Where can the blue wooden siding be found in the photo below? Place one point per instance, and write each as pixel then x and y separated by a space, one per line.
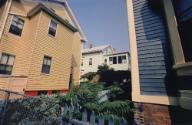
pixel 153 49
pixel 184 9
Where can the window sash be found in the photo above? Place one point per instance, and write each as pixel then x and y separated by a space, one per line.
pixel 90 61
pixel 119 59
pixel 124 59
pixel 114 60
pixel 110 60
pixel 5 69
pixel 16 26
pixel 52 28
pixel 46 65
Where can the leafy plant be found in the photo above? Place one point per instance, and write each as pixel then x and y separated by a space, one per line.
pixel 88 76
pixel 104 67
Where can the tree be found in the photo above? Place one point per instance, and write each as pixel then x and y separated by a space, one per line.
pixel 104 67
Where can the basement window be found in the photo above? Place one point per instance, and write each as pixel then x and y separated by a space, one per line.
pixel 16 27
pixel 46 65
pixel 42 93
pixel 6 64
pixel 52 28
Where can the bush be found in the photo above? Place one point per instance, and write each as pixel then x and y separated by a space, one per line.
pixel 89 76
pixel 36 110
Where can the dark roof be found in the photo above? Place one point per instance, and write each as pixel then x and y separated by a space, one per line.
pixel 42 7
pixel 125 52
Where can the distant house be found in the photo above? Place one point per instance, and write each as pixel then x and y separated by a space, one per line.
pixel 161 60
pixel 94 56
pixel 118 60
pixel 40 46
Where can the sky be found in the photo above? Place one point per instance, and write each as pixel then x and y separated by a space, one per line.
pixel 103 21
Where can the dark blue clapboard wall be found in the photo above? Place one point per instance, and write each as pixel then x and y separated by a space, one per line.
pixel 183 9
pixel 153 48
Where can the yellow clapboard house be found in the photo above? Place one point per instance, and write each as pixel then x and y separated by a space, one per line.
pixel 40 46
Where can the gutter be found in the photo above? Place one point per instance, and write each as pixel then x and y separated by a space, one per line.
pixel 5 18
pixel 41 7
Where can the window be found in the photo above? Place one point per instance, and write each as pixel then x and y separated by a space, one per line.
pixel 82 62
pixel 46 65
pixel 42 93
pixel 119 59
pixel 115 60
pixel 124 59
pixel 90 61
pixel 6 64
pixel 110 60
pixel 52 28
pixel 105 61
pixel 16 26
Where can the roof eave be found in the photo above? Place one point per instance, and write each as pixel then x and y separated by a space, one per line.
pixel 41 7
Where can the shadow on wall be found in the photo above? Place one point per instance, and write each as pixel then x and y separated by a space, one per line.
pixel 156 34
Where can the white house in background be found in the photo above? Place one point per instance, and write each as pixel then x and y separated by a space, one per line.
pixel 92 57
pixel 118 60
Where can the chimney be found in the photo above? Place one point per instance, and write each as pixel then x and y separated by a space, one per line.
pixel 90 46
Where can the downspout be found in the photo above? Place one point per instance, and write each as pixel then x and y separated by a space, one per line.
pixel 5 18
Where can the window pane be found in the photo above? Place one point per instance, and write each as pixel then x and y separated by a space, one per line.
pixel 119 59
pixel 124 59
pixel 49 62
pixel 8 68
pixel 90 61
pixel 114 60
pixel 2 67
pixel 52 28
pixel 45 61
pixel 4 59
pixel 16 26
pixel 11 60
pixel 46 65
pixel 110 60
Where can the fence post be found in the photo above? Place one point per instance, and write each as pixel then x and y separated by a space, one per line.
pixel 111 121
pixel 92 118
pixel 65 109
pixel 123 122
pixel 101 120
pixel 4 107
pixel 84 115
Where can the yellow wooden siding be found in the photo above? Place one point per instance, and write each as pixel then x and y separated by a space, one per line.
pixel 1 11
pixel 76 50
pixel 34 43
pixel 60 49
pixel 21 47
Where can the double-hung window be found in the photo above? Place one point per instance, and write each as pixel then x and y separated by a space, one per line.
pixel 46 65
pixel 115 60
pixel 6 64
pixel 110 60
pixel 90 61
pixel 124 59
pixel 16 26
pixel 119 59
pixel 52 28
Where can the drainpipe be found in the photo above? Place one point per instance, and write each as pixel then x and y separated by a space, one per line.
pixel 5 17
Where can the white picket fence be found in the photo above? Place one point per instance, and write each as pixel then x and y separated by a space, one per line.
pixel 84 121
